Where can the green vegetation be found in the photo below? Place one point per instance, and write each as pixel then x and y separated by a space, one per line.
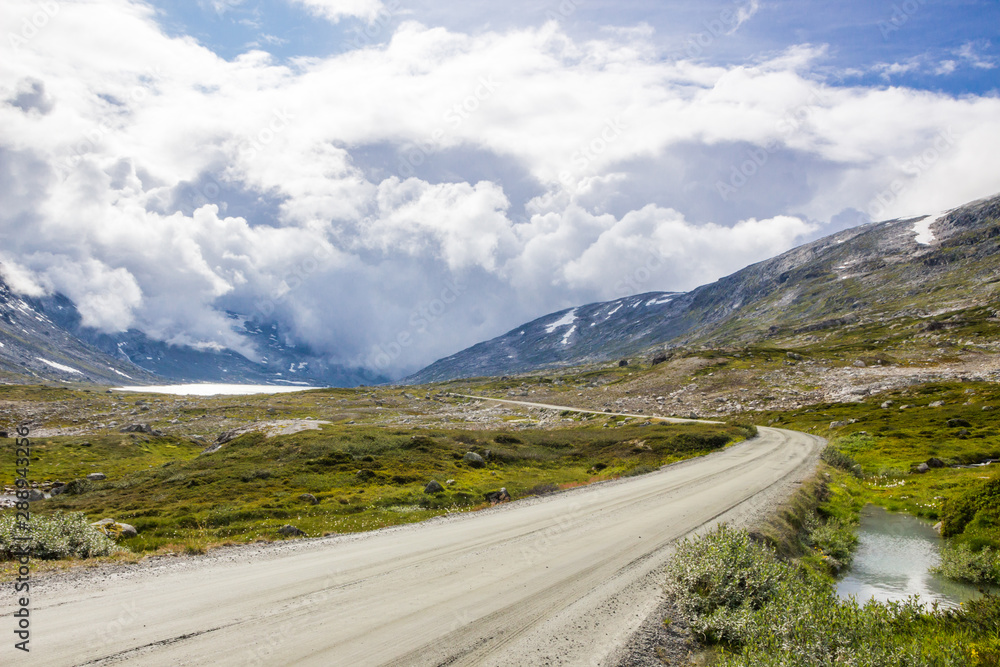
pixel 944 424
pixel 60 535
pixel 760 610
pixel 358 477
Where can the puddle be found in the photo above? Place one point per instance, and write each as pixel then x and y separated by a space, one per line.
pixel 894 556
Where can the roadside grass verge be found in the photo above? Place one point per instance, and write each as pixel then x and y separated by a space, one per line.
pixel 759 610
pixel 948 425
pixel 359 477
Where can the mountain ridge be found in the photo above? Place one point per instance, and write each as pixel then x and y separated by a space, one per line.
pixel 877 269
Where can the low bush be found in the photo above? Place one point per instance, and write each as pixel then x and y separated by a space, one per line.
pixel 766 612
pixel 962 563
pixel 60 535
pixel 839 459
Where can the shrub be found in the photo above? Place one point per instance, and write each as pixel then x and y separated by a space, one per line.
pixel 61 535
pixel 738 593
pixel 982 499
pixel 963 563
pixel 839 459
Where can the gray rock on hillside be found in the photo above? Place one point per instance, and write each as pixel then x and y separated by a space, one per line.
pixel 433 486
pixel 309 498
pixel 96 476
pixel 291 530
pixel 474 460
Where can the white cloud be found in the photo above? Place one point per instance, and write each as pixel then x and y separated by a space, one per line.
pixel 342 195
pixel 334 10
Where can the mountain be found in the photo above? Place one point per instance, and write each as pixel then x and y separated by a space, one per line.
pixel 880 271
pixel 34 348
pixel 279 363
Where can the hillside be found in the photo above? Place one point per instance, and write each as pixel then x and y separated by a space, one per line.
pixel 34 348
pixel 914 267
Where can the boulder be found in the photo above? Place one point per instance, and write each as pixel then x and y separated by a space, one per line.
pixel 494 497
pixel 886 405
pixel 958 423
pixel 935 463
pixel 474 460
pixel 433 486
pixel 935 404
pixel 128 530
pixel 226 436
pixel 309 498
pixel 838 424
pixel 291 530
pixel 922 468
pixel 96 476
pixel 794 355
pixel 860 364
pixel 35 495
pixel 141 428
pixel 623 363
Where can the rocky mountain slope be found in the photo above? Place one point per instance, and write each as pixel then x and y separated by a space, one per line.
pixel 880 271
pixel 279 363
pixel 34 348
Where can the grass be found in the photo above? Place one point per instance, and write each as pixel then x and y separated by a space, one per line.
pixel 760 610
pixel 364 477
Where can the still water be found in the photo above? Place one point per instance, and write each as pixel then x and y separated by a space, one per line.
pixel 206 389
pixel 895 552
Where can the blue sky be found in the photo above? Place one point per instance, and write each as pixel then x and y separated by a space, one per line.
pixel 922 35
pixel 335 166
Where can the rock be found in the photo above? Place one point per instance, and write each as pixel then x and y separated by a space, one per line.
pixel 494 497
pixel 128 530
pixel 860 364
pixel 987 408
pixel 96 476
pixel 449 482
pixel 935 404
pixel 838 424
pixel 963 433
pixel 291 530
pixel 922 468
pixel 309 498
pixel 433 486
pixel 937 527
pixel 658 358
pixel 3 434
pixel 226 436
pixel 623 363
pixel 35 495
pixel 474 460
pixel 887 405
pixel 141 428
pixel 935 463
pixel 794 355
pixel 957 423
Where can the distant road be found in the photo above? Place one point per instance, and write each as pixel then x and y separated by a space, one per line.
pixel 559 580
pixel 673 420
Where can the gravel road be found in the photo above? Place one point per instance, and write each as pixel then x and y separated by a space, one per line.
pixel 565 579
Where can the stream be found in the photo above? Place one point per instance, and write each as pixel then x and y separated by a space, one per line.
pixel 895 553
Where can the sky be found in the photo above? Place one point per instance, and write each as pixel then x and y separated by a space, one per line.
pixel 391 181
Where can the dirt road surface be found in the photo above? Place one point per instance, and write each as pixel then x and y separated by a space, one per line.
pixel 559 580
